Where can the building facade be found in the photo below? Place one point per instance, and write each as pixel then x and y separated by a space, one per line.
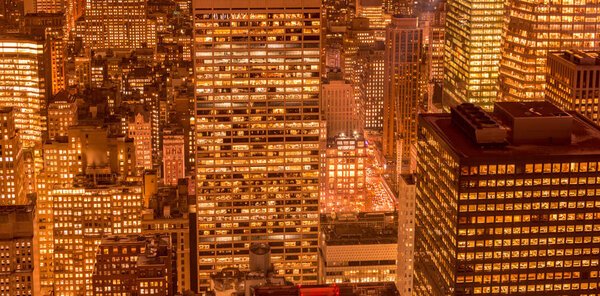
pixel 133 265
pixel 340 109
pixel 173 157
pixel 472 52
pixel 343 184
pixel 360 248
pixel 257 76
pixel 505 202
pixel 401 89
pixel 82 216
pixel 23 85
pixel 12 174
pixel 112 24
pixel 62 113
pixel 573 82
pixel 19 274
pixel 532 31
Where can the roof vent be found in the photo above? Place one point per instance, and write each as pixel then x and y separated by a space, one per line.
pixel 477 124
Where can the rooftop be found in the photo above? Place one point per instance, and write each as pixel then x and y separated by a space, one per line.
pixel 579 57
pixel 584 135
pixel 362 229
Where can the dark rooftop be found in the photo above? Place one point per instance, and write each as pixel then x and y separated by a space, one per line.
pixel 578 57
pixel 585 138
pixel 532 109
pixel 364 229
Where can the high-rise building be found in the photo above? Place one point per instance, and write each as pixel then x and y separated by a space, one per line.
pixel 11 163
pixel 532 30
pixel 339 108
pixel 19 274
pixel 505 202
pixel 343 183
pixel 83 215
pixel 173 156
pixel 401 91
pixel 114 24
pixel 23 85
pixel 573 82
pixel 139 129
pixel 373 11
pixel 433 21
pixel 472 52
pixel 373 60
pixel 257 85
pixel 406 234
pixel 357 36
pixel 49 28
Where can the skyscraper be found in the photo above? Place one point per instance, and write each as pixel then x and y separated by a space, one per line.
pixel 506 202
pixel 257 76
pixel 472 52
pixel 533 30
pixel 23 85
pixel 373 60
pixel 401 89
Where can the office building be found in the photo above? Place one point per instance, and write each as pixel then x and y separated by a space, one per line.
pixel 373 11
pixel 139 129
pixel 340 109
pixel 406 234
pixel 358 35
pixel 532 30
pixel 359 248
pixel 133 265
pixel 112 24
pixel 62 114
pixel 573 82
pixel 23 85
pixel 173 156
pixel 83 215
pixel 505 202
pixel 343 183
pixel 11 163
pixel 19 274
pixel 472 52
pixel 401 90
pixel 171 212
pixel 49 6
pixel 257 85
pixel 373 60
